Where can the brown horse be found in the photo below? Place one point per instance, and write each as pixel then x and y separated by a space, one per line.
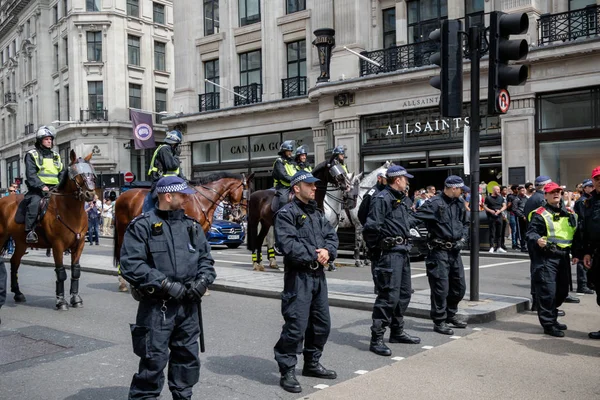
pixel 259 211
pixel 210 191
pixel 63 227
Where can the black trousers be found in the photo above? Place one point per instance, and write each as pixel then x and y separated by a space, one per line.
pixel 503 233
pixel 495 225
pixel 523 231
pixel 170 339
pixel 393 284
pixel 305 310
pixel 551 277
pixel 33 196
pixel 582 276
pixel 446 275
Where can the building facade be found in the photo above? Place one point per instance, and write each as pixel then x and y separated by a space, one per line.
pixel 79 65
pixel 261 54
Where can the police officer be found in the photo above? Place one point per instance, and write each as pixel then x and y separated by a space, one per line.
pixel 300 159
pixel 448 226
pixel 550 237
pixel 165 162
pixel 387 233
pixel 582 281
pixel 588 239
pixel 166 259
pixel 43 171
pixel 338 156
pixel 283 171
pixel 307 242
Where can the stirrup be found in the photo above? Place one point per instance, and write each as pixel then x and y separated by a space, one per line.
pixel 31 237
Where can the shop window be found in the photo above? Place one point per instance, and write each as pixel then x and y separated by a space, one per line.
pixel 568 161
pixel 211 17
pixel 389 28
pixel 249 12
pixel 302 138
pixel 264 146
pixel 425 16
pixel 235 149
pixel 205 152
pixel 566 111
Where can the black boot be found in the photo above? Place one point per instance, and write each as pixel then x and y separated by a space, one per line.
pixel 560 327
pixel 403 337
pixel 378 347
pixel 443 328
pixel 572 299
pixel 316 370
pixel 457 323
pixel 594 335
pixel 585 290
pixel 554 331
pixel 560 313
pixel 289 383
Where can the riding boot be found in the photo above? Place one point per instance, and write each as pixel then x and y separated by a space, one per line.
pixel 76 300
pixel 61 277
pixel 377 346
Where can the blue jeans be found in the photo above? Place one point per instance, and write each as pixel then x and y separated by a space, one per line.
pixel 514 230
pixel 93 226
pixel 10 247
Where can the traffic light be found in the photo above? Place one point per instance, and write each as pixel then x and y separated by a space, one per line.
pixel 502 49
pixel 450 58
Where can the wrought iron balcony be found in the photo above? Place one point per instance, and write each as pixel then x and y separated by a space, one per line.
pixel 209 101
pixel 10 97
pixel 568 26
pixel 252 94
pixel 293 87
pixel 398 57
pixel 93 115
pixel 29 129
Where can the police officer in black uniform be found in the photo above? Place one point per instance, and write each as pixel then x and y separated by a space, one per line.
pixel 387 233
pixel 587 241
pixel 582 281
pixel 307 242
pixel 448 226
pixel 166 259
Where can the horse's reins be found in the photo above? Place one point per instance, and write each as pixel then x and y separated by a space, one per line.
pixel 221 195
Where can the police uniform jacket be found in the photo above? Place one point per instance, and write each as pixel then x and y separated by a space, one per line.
pixel 446 218
pixel 301 229
pixel 536 200
pixel 365 205
pixel 166 161
pixel 161 245
pixel 587 238
pixel 279 172
pixel 537 229
pixel 390 216
pixel 33 181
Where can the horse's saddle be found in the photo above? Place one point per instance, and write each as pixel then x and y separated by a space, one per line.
pixel 22 210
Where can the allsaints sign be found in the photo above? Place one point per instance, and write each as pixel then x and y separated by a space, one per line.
pixel 427 126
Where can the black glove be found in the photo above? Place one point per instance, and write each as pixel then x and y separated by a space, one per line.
pixel 196 289
pixel 461 244
pixel 174 289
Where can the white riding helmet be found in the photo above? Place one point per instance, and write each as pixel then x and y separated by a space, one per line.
pixel 44 132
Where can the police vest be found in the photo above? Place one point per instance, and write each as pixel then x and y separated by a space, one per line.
pixel 48 168
pixel 559 232
pixel 307 169
pixel 154 168
pixel 290 169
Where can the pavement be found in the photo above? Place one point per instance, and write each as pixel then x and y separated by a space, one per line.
pixel 346 293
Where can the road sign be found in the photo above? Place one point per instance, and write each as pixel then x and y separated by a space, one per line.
pixel 503 100
pixel 129 177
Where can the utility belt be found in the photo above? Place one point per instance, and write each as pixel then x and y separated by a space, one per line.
pixel 553 249
pixel 390 242
pixel 157 297
pixel 440 244
pixel 312 266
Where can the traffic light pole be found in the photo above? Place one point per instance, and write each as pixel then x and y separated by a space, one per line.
pixel 474 50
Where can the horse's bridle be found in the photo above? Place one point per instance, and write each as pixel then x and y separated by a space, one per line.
pixel 221 196
pixel 73 174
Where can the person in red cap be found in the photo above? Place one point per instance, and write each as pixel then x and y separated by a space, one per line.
pixel 550 237
pixel 587 243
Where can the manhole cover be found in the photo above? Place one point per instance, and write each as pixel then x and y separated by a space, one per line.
pixel 17 347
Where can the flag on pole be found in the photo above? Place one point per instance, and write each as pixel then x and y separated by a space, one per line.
pixel 143 132
pixel 467 149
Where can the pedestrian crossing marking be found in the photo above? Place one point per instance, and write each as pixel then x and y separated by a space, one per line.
pixel 361 372
pixel 427 347
pixel 455 337
pixel 321 386
pixel 398 358
pixel 477 329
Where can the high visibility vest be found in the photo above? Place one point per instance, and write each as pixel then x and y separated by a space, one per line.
pixel 290 169
pixel 154 168
pixel 48 168
pixel 559 232
pixel 307 169
pixel 344 168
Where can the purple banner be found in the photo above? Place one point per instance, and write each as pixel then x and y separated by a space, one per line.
pixel 143 132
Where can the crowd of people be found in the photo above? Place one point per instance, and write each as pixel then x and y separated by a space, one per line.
pixel 100 218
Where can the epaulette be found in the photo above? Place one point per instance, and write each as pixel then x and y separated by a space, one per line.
pixel 139 217
pixel 371 192
pixel 192 218
pixel 540 210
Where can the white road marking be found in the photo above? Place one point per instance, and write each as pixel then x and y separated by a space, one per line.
pixel 321 386
pixel 249 263
pixel 397 358
pixel 455 337
pixel 477 329
pixel 480 267
pixel 427 347
pixel 361 372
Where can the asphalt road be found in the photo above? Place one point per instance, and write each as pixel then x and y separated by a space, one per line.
pixel 86 353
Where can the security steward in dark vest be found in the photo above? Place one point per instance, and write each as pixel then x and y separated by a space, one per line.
pixel 307 242
pixel 582 275
pixel 387 234
pixel 338 156
pixel 587 241
pixel 549 238
pixel 165 162
pixel 300 159
pixel 283 171
pixel 448 225
pixel 166 259
pixel 44 170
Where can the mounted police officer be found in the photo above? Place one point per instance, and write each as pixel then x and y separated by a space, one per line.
pixel 283 171
pixel 44 170
pixel 165 162
pixel 166 259
pixel 387 233
pixel 549 238
pixel 338 156
pixel 587 244
pixel 579 208
pixel 307 242
pixel 448 225
pixel 300 159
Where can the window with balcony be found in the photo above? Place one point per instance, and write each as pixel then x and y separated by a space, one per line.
pixel 210 99
pixel 135 96
pixel 94 46
pixel 160 56
pixel 133 50
pixel 250 78
pixel 158 13
pixel 474 12
pixel 93 5
pixel 425 16
pixel 211 17
pixel 133 8
pixel 249 12
pixel 95 101
pixel 581 21
pixel 160 103
pixel 295 84
pixel 293 6
pixel 389 28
